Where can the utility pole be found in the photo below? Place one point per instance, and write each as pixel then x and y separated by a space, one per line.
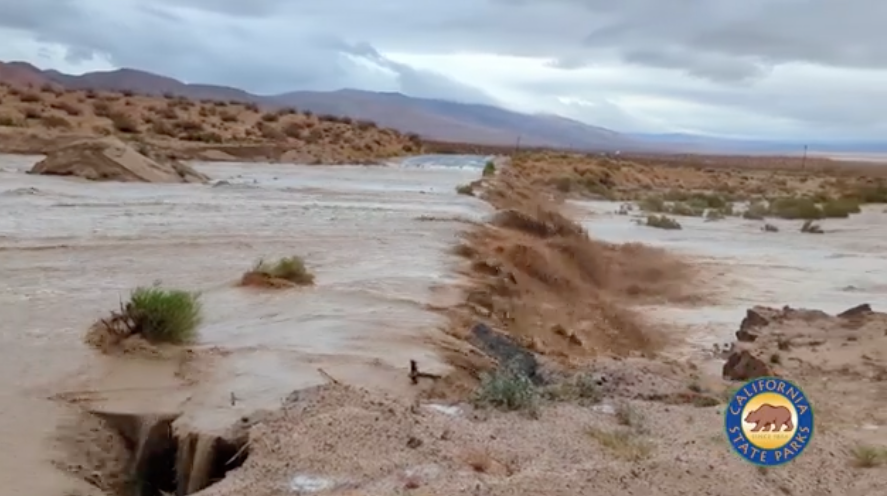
pixel 804 159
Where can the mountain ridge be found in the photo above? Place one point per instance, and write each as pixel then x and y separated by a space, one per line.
pixel 435 119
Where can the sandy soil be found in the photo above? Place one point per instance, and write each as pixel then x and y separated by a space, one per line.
pixel 34 120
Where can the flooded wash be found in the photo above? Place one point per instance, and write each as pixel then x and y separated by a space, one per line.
pixel 71 250
pixel 832 272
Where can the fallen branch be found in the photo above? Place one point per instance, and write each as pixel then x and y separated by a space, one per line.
pixel 415 375
pixel 329 377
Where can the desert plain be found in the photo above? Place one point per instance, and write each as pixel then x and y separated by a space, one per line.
pixel 517 322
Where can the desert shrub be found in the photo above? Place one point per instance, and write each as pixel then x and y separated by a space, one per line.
pixel 189 126
pixel 662 222
pixel 162 128
pixel 32 113
pixel 755 211
pixel 795 208
pixel 101 108
pixel 164 315
pixel 714 214
pixel 365 125
pixel 270 132
pixel 687 209
pixel 124 123
pixel 840 208
pixel 30 97
pixel 870 194
pixel 489 168
pixel 293 130
pixel 507 389
pixel 865 456
pixel 68 108
pixel 465 189
pixel 54 121
pixel 252 107
pixel 652 204
pixel 204 136
pixel 9 121
pixel 128 93
pixel 168 112
pixel 228 117
pixel 288 268
pixel 582 388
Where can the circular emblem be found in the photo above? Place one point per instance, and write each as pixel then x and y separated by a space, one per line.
pixel 769 421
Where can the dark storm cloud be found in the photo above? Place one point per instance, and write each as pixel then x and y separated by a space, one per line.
pixel 723 40
pixel 269 46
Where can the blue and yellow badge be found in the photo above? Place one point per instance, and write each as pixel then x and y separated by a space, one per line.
pixel 769 421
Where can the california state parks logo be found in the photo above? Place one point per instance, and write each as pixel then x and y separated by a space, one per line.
pixel 769 421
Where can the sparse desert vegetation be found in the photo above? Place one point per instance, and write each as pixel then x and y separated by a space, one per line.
pixel 34 120
pixel 285 272
pixel 662 222
pixel 154 314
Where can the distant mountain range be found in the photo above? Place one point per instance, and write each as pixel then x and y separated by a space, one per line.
pixel 439 120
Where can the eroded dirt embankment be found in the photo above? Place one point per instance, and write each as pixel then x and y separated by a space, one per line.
pixel 536 275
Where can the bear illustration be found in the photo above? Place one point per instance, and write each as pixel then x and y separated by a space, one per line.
pixel 770 418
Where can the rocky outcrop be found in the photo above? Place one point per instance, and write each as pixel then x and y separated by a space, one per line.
pixel 857 311
pixel 742 365
pixel 110 159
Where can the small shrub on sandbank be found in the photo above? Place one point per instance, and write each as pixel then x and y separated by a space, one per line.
pixel 158 315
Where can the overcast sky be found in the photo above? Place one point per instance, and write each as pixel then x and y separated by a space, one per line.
pixel 764 68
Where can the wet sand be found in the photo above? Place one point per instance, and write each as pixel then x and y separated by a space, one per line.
pixel 72 249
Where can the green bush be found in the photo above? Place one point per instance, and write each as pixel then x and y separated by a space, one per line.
pixel 465 189
pixel 795 208
pixel 164 315
pixel 841 208
pixel 489 168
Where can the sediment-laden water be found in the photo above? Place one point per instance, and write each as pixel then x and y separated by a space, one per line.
pixel 70 250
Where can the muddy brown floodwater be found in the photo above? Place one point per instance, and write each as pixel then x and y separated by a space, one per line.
pixel 830 272
pixel 69 250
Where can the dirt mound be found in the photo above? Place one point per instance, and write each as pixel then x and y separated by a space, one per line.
pixel 110 159
pixel 329 440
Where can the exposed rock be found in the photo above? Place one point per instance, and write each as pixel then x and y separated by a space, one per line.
pixel 857 311
pixel 754 320
pixel 506 351
pixel 110 159
pixel 743 366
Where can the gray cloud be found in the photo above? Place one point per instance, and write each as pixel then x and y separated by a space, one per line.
pixel 269 46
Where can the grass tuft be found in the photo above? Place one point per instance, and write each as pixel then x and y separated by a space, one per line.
pixel 865 456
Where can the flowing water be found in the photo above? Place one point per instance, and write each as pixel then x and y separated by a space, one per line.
pixel 832 272
pixel 70 250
